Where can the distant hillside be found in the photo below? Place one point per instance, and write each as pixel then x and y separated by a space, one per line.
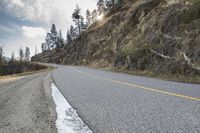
pixel 158 36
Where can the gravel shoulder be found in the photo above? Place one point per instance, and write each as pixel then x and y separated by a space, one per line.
pixel 26 105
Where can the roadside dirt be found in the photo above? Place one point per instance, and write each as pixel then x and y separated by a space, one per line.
pixel 26 105
pixel 4 80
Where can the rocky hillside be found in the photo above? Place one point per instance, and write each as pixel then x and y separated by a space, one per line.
pixel 161 36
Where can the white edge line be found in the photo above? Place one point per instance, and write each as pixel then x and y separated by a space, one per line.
pixel 68 120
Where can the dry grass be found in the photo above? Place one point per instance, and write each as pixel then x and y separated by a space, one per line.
pixel 24 74
pixel 4 77
pixel 151 74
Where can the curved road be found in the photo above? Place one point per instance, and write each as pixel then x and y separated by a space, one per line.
pixel 119 103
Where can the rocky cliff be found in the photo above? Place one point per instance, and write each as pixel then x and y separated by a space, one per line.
pixel 162 36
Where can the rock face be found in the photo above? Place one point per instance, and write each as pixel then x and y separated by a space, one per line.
pixel 157 35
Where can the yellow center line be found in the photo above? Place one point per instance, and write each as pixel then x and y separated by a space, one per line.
pixel 141 87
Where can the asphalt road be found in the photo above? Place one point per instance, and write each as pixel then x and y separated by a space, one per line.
pixel 26 105
pixel 119 103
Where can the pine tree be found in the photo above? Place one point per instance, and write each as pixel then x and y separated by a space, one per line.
pixel 53 35
pixel 108 4
pixel 120 2
pixel 48 41
pixel 88 18
pixel 44 47
pixel 60 41
pixel 1 57
pixel 69 38
pixel 100 6
pixel 36 50
pixel 94 15
pixel 1 54
pixel 21 54
pixel 113 2
pixel 76 16
pixel 27 54
pixel 13 57
pixel 11 63
pixel 72 32
pixel 1 60
pixel 82 23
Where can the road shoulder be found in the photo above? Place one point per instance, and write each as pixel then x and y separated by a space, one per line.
pixel 26 105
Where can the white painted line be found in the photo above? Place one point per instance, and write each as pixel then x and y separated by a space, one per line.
pixel 68 120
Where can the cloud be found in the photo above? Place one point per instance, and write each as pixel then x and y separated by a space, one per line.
pixel 33 32
pixel 18 3
pixel 25 22
pixel 47 11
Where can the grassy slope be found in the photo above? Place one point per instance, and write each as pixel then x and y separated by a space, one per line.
pixel 187 17
pixel 123 41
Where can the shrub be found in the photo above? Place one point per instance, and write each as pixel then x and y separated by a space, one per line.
pixel 192 13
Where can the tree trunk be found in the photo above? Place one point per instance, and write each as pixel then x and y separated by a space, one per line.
pixel 79 28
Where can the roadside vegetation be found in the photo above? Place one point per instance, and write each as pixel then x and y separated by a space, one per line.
pixel 192 13
pixel 152 74
pixel 22 64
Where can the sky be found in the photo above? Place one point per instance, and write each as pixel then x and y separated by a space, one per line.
pixel 24 23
